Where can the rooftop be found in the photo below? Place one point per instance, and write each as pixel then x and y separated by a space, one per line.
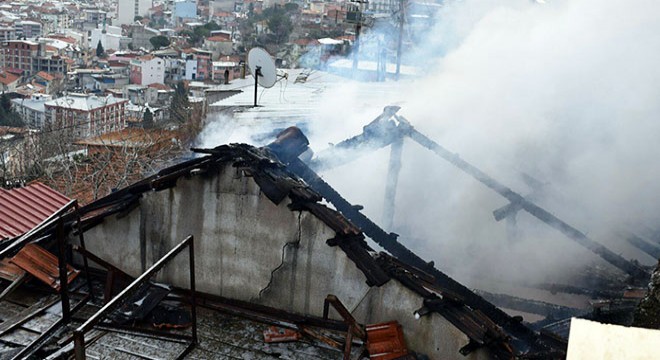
pixel 84 102
pixel 24 208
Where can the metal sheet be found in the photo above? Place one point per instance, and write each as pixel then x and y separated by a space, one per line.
pixel 42 265
pixel 24 208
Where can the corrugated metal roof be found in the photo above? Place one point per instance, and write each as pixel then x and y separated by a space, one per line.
pixel 24 208
pixel 43 265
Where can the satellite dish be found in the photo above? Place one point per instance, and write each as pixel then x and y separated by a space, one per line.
pixel 262 67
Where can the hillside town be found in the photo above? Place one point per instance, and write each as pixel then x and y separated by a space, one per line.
pixel 79 71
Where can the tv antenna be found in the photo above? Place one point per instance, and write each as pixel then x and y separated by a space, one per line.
pixel 262 68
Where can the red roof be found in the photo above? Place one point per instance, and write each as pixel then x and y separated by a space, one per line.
pixel 7 78
pixel 24 208
pixel 46 76
pixel 219 38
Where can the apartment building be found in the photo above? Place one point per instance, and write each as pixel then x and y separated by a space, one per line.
pixel 87 115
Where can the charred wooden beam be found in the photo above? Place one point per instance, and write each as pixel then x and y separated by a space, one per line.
pixel 530 306
pixel 377 134
pixel 393 171
pixel 570 289
pixel 645 246
pixel 389 242
pixel 515 198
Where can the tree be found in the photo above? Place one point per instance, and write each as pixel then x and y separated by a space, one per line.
pixel 159 41
pixel 180 105
pixel 8 117
pixel 99 49
pixel 148 119
pixel 291 7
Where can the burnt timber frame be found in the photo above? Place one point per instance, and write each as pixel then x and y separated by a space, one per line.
pixel 383 132
pixel 94 320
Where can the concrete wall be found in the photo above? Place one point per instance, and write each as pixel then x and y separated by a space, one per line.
pixel 433 335
pixel 250 249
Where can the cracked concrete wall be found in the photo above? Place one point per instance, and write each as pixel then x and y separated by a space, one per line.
pixel 250 249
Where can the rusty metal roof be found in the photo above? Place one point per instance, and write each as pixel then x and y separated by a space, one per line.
pixel 42 265
pixel 24 208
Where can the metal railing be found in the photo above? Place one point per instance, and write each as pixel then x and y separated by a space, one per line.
pixel 117 301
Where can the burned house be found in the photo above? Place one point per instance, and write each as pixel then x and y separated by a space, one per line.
pixel 262 237
pixel 264 243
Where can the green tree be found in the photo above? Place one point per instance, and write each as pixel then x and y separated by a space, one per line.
pixel 99 49
pixel 291 7
pixel 8 117
pixel 180 105
pixel 159 41
pixel 280 26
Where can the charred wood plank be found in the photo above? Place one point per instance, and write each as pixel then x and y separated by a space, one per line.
pixel 389 242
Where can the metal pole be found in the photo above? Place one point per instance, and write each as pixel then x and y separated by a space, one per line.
pixel 356 46
pixel 64 278
pixel 193 296
pixel 257 73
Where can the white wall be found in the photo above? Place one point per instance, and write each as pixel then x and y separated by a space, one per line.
pixel 250 249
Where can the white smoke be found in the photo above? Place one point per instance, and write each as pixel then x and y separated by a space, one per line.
pixel 565 91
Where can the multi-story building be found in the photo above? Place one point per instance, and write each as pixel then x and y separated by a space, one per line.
pixel 95 16
pixel 55 20
pixel 110 38
pixel 30 57
pixel 198 64
pixel 86 115
pixel 140 36
pixel 226 69
pixel 28 29
pixel 184 9
pixel 7 33
pixel 219 44
pixel 127 10
pixel 147 70
pixel 32 110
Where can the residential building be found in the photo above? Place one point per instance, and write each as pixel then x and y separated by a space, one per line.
pixel 147 70
pixel 86 115
pixel 219 44
pixel 7 33
pixel 32 109
pixel 226 69
pixel 54 83
pixel 127 10
pixel 96 16
pixel 110 38
pixel 30 57
pixel 184 9
pixel 140 36
pixel 55 20
pixel 28 29
pixel 8 81
pixel 198 64
pixel 140 94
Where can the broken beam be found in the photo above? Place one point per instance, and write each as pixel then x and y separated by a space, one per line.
pixel 515 198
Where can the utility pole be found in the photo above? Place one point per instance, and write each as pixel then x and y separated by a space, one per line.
pixel 402 19
pixel 358 27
